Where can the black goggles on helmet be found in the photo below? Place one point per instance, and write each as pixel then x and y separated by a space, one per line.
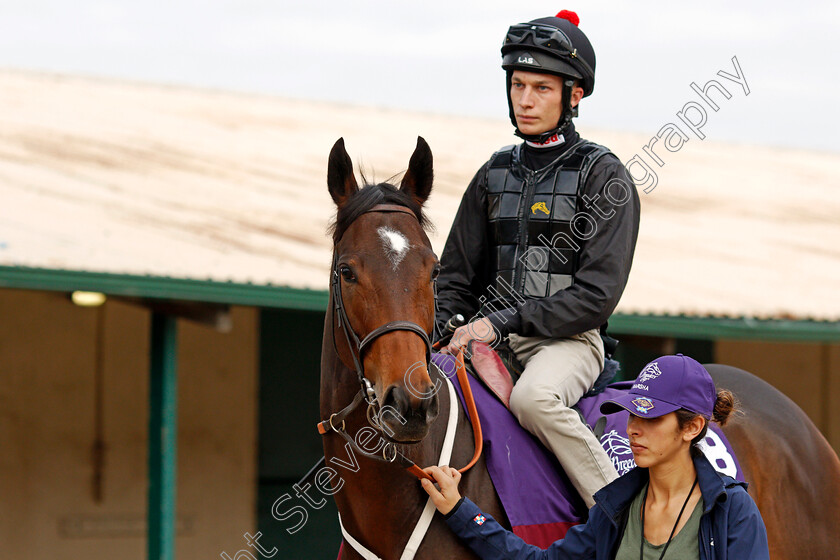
pixel 541 36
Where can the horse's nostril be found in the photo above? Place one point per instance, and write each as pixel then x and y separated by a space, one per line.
pixel 432 408
pixel 394 398
pixel 398 401
pixel 394 406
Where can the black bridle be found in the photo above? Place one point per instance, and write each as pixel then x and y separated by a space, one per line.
pixel 357 346
pixel 336 420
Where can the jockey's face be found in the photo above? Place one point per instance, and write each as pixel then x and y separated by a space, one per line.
pixel 537 100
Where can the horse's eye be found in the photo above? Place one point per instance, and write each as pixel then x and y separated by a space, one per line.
pixel 436 271
pixel 347 273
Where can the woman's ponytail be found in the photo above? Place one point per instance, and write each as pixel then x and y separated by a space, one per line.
pixel 725 405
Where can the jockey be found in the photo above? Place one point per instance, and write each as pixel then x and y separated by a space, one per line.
pixel 541 247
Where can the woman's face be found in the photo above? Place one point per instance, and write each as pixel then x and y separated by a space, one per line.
pixel 658 440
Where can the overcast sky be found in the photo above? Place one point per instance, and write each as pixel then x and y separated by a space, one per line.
pixel 443 56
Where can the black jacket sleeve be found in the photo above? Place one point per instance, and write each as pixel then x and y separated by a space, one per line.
pixel 464 262
pixel 604 260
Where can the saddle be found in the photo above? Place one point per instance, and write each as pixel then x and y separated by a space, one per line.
pixel 498 369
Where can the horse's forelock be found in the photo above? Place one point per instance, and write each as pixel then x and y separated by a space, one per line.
pixel 368 197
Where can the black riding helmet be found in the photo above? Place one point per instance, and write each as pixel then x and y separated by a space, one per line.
pixel 551 45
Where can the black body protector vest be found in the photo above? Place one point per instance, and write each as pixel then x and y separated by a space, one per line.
pixel 534 249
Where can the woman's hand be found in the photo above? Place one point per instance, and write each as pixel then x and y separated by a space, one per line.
pixel 447 478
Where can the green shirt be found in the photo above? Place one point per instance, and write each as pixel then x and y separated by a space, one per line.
pixel 684 546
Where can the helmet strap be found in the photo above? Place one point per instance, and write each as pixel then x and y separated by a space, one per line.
pixel 566 115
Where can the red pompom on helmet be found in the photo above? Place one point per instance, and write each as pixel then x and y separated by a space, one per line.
pixel 569 15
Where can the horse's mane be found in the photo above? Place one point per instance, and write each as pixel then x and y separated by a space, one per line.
pixel 366 198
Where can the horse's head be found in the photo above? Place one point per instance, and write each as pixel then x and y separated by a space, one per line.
pixel 384 271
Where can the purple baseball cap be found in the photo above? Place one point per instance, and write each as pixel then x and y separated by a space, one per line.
pixel 667 384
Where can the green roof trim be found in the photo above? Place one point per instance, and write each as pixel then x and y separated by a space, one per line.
pixel 158 287
pixel 712 328
pixel 231 293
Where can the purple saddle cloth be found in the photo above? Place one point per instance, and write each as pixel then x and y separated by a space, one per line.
pixel 537 496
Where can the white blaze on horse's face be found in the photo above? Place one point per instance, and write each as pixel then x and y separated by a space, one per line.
pixel 395 244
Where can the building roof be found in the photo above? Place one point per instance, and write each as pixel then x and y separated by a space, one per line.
pixel 118 180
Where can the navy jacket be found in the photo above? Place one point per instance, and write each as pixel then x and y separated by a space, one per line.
pixel 731 527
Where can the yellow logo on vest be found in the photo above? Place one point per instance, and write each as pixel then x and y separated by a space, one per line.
pixel 539 206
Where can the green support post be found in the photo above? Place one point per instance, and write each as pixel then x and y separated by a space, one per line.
pixel 163 428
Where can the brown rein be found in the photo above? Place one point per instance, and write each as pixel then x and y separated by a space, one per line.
pixel 472 411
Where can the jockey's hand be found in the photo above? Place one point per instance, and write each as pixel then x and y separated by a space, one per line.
pixel 481 330
pixel 447 478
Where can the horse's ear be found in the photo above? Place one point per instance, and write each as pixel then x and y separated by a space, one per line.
pixel 417 181
pixel 340 180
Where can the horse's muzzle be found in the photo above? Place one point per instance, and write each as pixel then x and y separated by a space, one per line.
pixel 405 418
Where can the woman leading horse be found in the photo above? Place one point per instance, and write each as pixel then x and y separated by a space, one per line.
pixel 674 504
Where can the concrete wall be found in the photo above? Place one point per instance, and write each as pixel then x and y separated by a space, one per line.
pixel 808 373
pixel 70 377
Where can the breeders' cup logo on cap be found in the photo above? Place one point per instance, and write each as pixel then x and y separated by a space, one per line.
pixel 642 405
pixel 651 371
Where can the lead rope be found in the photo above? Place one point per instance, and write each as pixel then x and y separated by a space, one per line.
pixel 429 511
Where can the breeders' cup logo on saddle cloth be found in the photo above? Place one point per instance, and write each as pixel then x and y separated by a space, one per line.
pixel 642 405
pixel 618 450
pixel 614 444
pixel 651 371
pixel 539 206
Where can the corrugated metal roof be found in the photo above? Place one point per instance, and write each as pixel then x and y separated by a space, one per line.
pixel 135 179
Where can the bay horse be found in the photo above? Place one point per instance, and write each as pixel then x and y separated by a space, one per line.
pixel 383 273
pixel 375 350
pixel 792 471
